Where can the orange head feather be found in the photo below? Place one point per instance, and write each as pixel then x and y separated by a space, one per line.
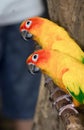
pixel 31 24
pixel 39 57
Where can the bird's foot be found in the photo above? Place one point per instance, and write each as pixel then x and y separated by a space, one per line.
pixel 53 93
pixel 62 102
pixel 66 97
pixel 57 97
pixel 68 106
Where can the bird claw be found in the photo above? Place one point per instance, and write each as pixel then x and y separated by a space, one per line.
pixel 52 93
pixel 57 89
pixel 69 106
pixel 66 97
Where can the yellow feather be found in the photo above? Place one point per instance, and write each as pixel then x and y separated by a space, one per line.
pixel 66 72
pixel 51 36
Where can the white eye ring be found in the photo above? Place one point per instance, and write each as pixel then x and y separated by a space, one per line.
pixel 28 23
pixel 35 57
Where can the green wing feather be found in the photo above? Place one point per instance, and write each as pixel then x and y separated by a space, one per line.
pixel 74 83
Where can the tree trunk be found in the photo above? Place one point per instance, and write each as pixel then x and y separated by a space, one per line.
pixel 46 117
pixel 70 15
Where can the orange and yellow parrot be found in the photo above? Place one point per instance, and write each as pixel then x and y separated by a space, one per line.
pixel 50 36
pixel 66 71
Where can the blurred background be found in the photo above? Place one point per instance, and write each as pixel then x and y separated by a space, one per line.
pixel 41 9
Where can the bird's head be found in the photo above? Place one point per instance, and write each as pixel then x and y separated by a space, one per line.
pixel 30 28
pixel 38 60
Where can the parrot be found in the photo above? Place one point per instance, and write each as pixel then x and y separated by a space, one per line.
pixel 66 71
pixel 49 35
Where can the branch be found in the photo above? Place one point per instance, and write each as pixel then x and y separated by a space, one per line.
pixel 69 117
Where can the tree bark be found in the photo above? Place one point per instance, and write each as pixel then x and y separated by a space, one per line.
pixel 70 15
pixel 46 117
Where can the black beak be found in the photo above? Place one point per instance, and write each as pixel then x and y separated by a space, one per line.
pixel 26 35
pixel 33 69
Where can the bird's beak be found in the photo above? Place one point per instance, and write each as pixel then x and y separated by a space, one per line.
pixel 33 69
pixel 26 35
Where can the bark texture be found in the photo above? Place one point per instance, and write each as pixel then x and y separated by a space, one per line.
pixel 70 15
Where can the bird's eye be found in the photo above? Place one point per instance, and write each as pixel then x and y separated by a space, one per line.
pixel 35 57
pixel 28 23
